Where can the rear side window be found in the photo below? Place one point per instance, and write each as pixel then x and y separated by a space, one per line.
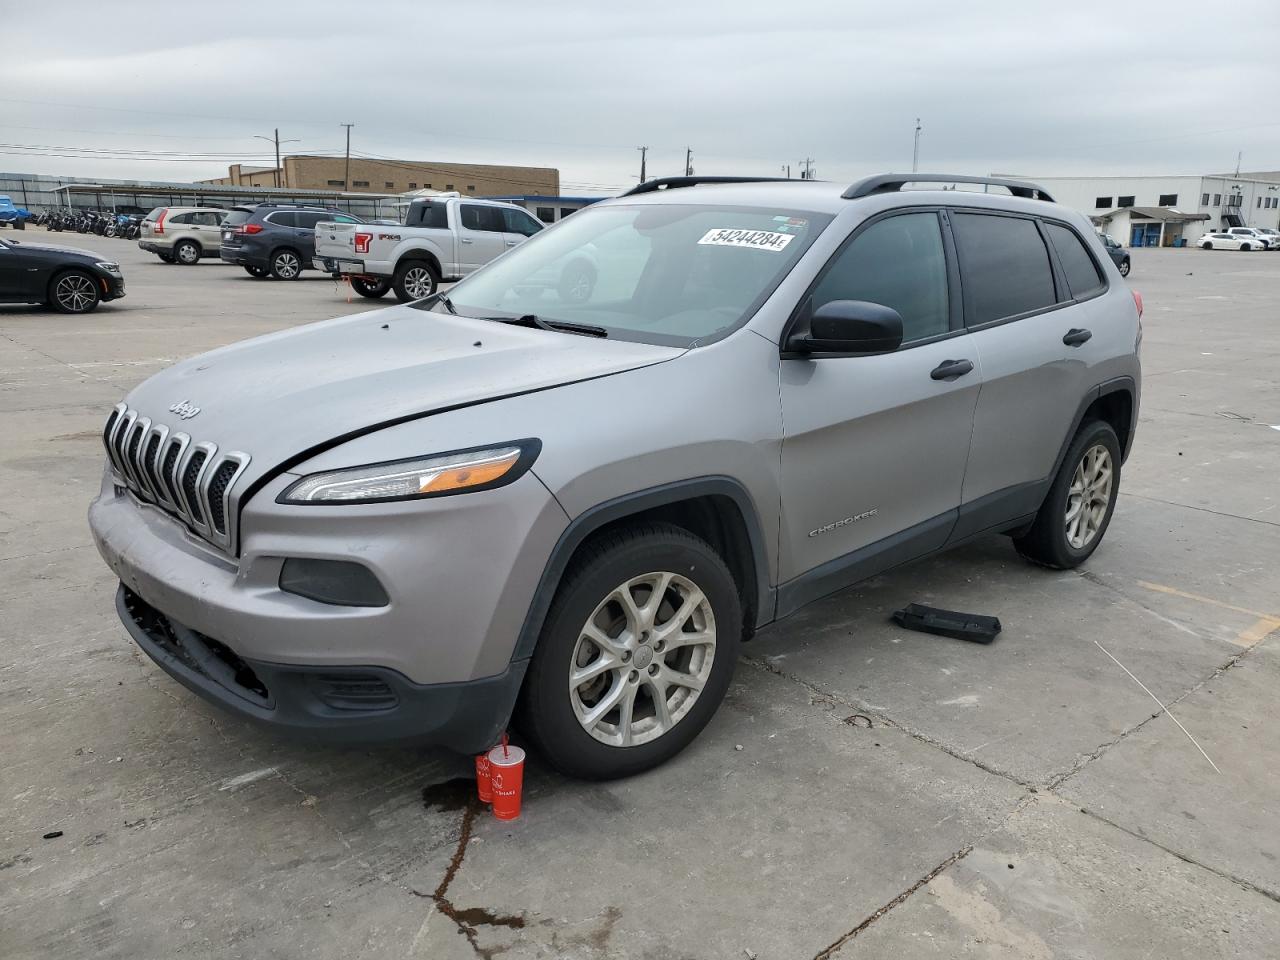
pixel 154 215
pixel 1004 267
pixel 1083 276
pixel 476 217
pixel 283 218
pixel 897 262
pixel 308 220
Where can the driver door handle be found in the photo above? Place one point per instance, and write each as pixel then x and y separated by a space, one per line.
pixel 951 369
pixel 1076 336
pixel 466 240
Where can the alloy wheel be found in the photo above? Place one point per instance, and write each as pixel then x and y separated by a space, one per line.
pixel 286 266
pixel 75 293
pixel 1089 496
pixel 418 283
pixel 642 659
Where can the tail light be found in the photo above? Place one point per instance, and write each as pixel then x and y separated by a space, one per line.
pixel 1137 299
pixel 159 227
pixel 251 228
pixel 362 242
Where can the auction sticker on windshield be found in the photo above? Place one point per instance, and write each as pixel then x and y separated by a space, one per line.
pixel 755 239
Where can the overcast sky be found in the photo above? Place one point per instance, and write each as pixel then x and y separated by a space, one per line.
pixel 1126 86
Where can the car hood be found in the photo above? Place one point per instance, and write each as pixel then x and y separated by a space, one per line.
pixel 55 248
pixel 295 392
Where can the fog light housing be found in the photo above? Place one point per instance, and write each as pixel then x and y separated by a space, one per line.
pixel 337 582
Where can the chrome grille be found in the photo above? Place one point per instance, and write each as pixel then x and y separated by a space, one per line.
pixel 191 481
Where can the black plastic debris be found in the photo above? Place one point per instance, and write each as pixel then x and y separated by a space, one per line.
pixel 947 623
pixel 53 835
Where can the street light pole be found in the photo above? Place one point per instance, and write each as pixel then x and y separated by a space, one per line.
pixel 277 141
pixel 915 150
pixel 346 173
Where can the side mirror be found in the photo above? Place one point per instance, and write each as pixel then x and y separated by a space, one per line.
pixel 849 328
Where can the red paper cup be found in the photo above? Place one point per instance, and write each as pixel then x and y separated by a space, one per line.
pixel 484 785
pixel 507 777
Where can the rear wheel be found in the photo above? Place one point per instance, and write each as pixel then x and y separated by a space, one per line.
pixel 258 273
pixel 373 289
pixel 74 292
pixel 1077 511
pixel 286 265
pixel 187 252
pixel 636 653
pixel 165 257
pixel 414 280
pixel 1124 267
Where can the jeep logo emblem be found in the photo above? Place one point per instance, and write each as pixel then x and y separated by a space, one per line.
pixel 185 409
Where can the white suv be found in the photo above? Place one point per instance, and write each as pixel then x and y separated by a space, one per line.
pixel 1264 242
pixel 182 234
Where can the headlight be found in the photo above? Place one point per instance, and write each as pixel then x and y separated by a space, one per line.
pixel 112 268
pixel 465 471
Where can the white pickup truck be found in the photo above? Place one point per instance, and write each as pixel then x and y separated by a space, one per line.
pixel 442 238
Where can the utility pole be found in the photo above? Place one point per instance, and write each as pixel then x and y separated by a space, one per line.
pixel 915 150
pixel 786 168
pixel 688 161
pixel 643 152
pixel 808 171
pixel 346 173
pixel 275 139
pixel 1239 157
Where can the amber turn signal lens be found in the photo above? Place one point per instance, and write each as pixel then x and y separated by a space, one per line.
pixel 469 475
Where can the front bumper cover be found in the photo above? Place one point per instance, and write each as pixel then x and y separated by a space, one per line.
pixel 355 704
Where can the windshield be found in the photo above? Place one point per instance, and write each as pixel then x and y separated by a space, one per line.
pixel 657 273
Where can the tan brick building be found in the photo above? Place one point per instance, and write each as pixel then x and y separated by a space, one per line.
pixel 396 176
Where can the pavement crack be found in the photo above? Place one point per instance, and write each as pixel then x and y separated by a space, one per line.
pixel 1230 877
pixel 1187 506
pixel 897 901
pixel 866 709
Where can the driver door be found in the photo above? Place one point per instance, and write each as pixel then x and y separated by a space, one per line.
pixel 481 236
pixel 875 447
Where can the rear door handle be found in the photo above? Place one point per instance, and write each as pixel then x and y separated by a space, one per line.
pixel 1076 336
pixel 465 240
pixel 951 369
pixel 512 243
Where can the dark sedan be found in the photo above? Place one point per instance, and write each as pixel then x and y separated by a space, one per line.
pixel 67 279
pixel 1117 252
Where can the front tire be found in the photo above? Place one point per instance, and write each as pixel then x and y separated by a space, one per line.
pixel 577 283
pixel 636 653
pixel 1077 510
pixel 165 257
pixel 187 252
pixel 1124 268
pixel 74 291
pixel 286 265
pixel 373 289
pixel 414 280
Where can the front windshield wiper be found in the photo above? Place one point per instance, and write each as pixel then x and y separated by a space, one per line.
pixel 564 326
pixel 448 304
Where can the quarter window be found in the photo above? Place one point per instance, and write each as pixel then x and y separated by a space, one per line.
pixel 1004 267
pixel 1079 268
pixel 898 262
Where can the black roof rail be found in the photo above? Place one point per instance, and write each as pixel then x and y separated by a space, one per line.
pixel 667 183
pixel 890 182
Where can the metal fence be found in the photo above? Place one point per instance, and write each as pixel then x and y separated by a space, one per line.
pixel 38 193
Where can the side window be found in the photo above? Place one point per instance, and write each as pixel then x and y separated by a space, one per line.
pixel 284 218
pixel 1079 267
pixel 182 218
pixel 476 217
pixel 1004 267
pixel 897 262
pixel 434 216
pixel 307 220
pixel 342 218
pixel 517 221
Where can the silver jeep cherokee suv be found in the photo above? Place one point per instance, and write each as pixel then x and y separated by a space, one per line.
pixel 415 522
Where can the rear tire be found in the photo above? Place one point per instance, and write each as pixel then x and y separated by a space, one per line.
pixel 373 289
pixel 187 252
pixel 414 280
pixel 1077 510
pixel 258 273
pixel 74 291
pixel 1124 268
pixel 286 265
pixel 596 654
